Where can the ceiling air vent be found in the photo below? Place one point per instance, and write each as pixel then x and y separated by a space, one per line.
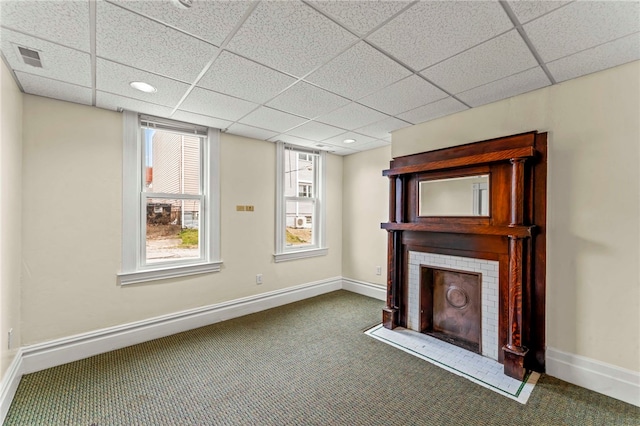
pixel 30 57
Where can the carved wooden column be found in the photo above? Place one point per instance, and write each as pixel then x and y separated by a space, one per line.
pixel 514 350
pixel 390 311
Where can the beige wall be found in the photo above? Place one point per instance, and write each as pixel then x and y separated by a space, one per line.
pixel 593 277
pixel 10 215
pixel 365 207
pixel 73 157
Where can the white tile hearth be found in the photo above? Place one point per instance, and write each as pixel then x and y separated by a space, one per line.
pixel 476 368
pixel 489 292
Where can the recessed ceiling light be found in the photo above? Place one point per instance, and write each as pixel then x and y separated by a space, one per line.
pixel 143 87
pixel 348 141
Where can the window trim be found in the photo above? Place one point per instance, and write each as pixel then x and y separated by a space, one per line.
pixel 132 168
pixel 284 253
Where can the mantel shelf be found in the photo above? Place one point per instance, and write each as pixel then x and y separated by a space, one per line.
pixel 456 228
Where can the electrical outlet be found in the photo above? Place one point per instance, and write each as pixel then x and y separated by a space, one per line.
pixel 240 208
pixel 378 270
pixel 259 279
pixel 10 338
pixel 248 208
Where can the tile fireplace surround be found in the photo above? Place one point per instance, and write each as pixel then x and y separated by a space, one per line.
pixel 489 292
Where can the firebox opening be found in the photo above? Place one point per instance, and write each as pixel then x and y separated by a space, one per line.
pixel 450 306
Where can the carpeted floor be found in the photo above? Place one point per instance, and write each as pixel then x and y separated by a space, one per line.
pixel 308 363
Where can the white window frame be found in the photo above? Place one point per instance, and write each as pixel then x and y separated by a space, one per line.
pixel 134 269
pixel 286 253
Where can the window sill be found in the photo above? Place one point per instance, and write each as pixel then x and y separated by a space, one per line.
pixel 126 278
pixel 301 254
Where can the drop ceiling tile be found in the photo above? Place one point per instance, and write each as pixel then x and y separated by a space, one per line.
pixel 315 131
pixel 115 78
pixel 404 95
pixel 495 59
pixel 271 119
pixel 383 128
pixel 510 86
pixel 203 120
pixel 251 132
pixel 290 36
pixel 37 85
pixel 58 62
pixel 360 140
pixel 131 39
pixel 599 58
pixel 432 31
pixel 294 140
pixel 358 72
pixel 526 11
pixel 307 100
pixel 67 22
pixel 433 110
pixel 206 102
pixel 336 150
pixel 114 102
pixel 582 25
pixel 244 79
pixel 360 16
pixel 352 116
pixel 210 20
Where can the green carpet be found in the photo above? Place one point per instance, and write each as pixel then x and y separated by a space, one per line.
pixel 307 363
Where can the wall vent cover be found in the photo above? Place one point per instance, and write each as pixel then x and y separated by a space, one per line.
pixel 30 57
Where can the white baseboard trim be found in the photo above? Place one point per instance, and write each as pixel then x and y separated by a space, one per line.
pixel 9 384
pixel 364 288
pixel 61 351
pixel 607 379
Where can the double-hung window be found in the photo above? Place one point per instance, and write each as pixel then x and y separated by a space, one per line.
pixel 300 204
pixel 170 199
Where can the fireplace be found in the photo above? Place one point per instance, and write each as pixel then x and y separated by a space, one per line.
pixel 466 248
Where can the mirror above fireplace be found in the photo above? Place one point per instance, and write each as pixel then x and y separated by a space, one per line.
pixel 458 196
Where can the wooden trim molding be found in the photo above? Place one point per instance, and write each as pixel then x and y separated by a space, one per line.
pixel 513 231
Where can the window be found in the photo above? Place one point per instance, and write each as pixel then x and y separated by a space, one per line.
pixel 170 199
pixel 300 215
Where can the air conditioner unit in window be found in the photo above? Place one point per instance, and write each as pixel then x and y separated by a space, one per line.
pixel 301 221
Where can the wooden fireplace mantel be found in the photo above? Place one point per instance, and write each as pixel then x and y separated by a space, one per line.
pixel 513 233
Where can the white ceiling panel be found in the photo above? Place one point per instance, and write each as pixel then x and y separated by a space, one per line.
pixel 307 100
pixel 358 72
pixel 210 20
pixel 404 95
pixel 113 102
pixel 433 110
pixel 65 22
pixel 492 60
pixel 204 120
pixel 432 31
pixel 581 25
pixel 58 62
pixel 605 56
pixel 360 16
pixel 245 79
pixel 381 129
pixel 315 131
pixel 290 36
pixel 271 119
pixel 115 78
pixel 510 86
pixel 251 132
pixel 352 116
pixel 360 140
pixel 215 104
pixel 144 44
pixel 526 11
pixel 41 86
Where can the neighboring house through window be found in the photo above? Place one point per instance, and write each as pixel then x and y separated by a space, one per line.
pixel 300 209
pixel 170 199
